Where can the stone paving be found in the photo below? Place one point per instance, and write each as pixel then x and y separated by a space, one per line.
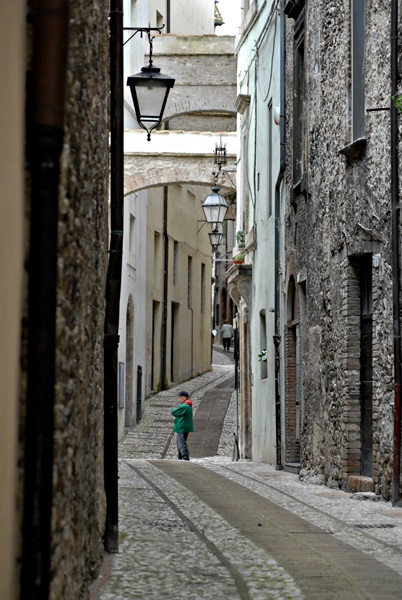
pixel 174 545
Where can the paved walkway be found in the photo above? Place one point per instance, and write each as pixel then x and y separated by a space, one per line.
pixel 214 528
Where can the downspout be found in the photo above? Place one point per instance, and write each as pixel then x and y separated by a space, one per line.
pixel 45 132
pixel 282 165
pixel 167 16
pixel 395 257
pixel 165 285
pixel 113 278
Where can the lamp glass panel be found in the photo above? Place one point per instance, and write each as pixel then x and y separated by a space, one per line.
pixel 214 213
pixel 215 237
pixel 151 100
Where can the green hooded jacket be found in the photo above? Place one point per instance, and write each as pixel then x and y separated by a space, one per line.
pixel 183 417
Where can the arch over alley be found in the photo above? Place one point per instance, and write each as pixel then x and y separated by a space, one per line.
pixel 176 157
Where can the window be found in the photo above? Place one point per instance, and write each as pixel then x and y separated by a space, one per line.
pixel 298 100
pixel 270 117
pixel 175 262
pixel 358 52
pixel 202 288
pixel 131 241
pixel 159 19
pixel 189 281
pixel 263 344
pixel 157 258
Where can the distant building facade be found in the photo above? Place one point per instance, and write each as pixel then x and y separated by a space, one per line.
pixel 165 315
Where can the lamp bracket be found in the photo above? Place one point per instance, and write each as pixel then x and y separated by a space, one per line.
pixel 146 30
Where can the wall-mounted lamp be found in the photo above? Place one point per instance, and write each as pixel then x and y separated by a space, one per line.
pixel 220 154
pixel 149 88
pixel 215 206
pixel 215 237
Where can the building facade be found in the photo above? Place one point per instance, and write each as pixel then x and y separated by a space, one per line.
pixel 318 293
pixel 340 250
pixel 165 309
pixel 254 284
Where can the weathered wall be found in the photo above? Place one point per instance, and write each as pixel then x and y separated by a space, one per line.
pixel 258 166
pixel 188 307
pixel 340 212
pixel 204 67
pixel 78 510
pixel 78 504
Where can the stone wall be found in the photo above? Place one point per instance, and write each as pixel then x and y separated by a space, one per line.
pixel 78 511
pixel 205 71
pixel 79 503
pixel 339 212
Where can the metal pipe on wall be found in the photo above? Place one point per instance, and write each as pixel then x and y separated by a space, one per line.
pixel 113 280
pixel 45 135
pixel 165 287
pixel 395 257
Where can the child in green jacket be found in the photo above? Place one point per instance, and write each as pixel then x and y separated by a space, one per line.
pixel 183 424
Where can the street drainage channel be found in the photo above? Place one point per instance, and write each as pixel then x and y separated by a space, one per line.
pixel 379 526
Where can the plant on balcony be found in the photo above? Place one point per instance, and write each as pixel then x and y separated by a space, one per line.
pixel 238 259
pixel 398 102
pixel 240 238
pixel 262 356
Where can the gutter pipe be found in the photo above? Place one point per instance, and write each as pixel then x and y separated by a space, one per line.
pixel 282 166
pixel 45 135
pixel 113 278
pixel 165 288
pixel 395 491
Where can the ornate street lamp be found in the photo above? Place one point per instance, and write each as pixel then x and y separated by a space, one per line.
pixel 215 237
pixel 149 88
pixel 220 154
pixel 215 206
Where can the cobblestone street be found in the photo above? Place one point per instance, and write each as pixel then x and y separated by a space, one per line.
pixel 215 528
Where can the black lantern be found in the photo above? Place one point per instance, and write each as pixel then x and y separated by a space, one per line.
pixel 150 90
pixel 215 206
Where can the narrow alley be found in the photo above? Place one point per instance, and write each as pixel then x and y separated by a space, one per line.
pixel 217 528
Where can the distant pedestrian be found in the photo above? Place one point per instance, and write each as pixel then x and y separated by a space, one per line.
pixel 227 334
pixel 183 424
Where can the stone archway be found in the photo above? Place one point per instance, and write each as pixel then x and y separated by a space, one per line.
pixel 176 157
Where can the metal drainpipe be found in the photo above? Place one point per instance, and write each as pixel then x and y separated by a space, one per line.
pixel 165 285
pixel 113 278
pixel 45 133
pixel 395 256
pixel 282 165
pixel 167 16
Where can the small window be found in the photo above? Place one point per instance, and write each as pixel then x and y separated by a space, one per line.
pixel 270 157
pixel 189 282
pixel 358 59
pixel 202 288
pixel 159 19
pixel 263 346
pixel 298 100
pixel 131 241
pixel 175 262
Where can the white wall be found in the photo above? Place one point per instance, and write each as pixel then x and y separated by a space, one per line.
pixel 254 69
pixel 134 285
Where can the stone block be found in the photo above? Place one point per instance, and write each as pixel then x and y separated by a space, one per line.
pixel 359 483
